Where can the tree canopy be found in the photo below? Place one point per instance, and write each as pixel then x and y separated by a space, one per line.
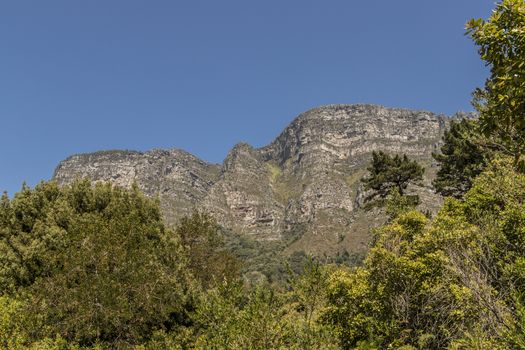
pixel 203 242
pixel 463 156
pixel 93 266
pixel 388 172
pixel 501 103
pixel 96 263
pixel 455 282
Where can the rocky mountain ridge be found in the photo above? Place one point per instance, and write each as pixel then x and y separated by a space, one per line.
pixel 303 189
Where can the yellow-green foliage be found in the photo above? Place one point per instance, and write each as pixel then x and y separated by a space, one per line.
pixel 13 333
pixel 430 285
pixel 284 186
pixel 352 309
pixel 233 317
pixel 274 171
pixel 501 42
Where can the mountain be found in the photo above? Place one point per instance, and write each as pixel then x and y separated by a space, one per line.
pixel 302 191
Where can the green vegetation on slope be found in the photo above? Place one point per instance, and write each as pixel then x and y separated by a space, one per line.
pixel 94 267
pixel 437 284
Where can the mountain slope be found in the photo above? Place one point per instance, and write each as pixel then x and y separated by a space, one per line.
pixel 302 190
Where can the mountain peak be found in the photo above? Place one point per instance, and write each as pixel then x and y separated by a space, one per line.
pixel 302 189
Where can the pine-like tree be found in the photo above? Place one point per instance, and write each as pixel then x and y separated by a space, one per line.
pixel 463 156
pixel 390 172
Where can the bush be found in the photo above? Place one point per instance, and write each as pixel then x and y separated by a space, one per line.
pixel 95 262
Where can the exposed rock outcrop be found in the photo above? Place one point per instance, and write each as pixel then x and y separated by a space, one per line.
pixel 304 188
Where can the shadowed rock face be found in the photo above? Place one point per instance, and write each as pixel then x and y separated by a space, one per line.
pixel 178 178
pixel 304 188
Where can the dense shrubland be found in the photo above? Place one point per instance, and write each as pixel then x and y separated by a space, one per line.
pixel 94 267
pixel 443 283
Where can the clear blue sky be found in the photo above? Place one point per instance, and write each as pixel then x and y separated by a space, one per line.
pixel 81 76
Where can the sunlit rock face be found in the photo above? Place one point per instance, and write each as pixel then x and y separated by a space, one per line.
pixel 304 188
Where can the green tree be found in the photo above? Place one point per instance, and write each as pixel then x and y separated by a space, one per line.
pixel 391 172
pixel 307 298
pixel 203 241
pixel 501 103
pixel 463 156
pixel 231 317
pixel 352 308
pixel 454 282
pixel 94 262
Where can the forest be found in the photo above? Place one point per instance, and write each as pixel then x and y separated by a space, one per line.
pixel 94 266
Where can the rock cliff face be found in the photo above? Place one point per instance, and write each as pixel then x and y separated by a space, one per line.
pixel 303 189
